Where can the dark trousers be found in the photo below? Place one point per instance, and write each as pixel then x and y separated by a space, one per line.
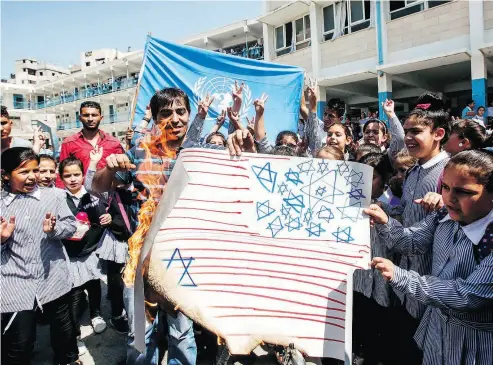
pixel 18 340
pixel 78 302
pixel 115 287
pixel 403 345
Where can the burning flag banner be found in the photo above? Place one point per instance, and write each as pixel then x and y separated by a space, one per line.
pixel 200 72
pixel 262 248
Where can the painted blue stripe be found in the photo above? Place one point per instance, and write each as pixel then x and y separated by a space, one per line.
pixel 320 109
pixel 480 93
pixel 382 96
pixel 378 6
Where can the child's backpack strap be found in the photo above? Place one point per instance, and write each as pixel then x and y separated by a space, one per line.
pixel 485 246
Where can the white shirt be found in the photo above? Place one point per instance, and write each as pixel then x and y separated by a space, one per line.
pixel 440 157
pixel 475 230
pixel 77 196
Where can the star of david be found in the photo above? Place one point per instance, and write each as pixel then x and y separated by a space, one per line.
pixel 308 216
pixel 357 194
pixel 353 209
pixel 343 235
pixel 329 181
pixel 343 168
pixel 275 226
pixel 325 214
pixel 323 167
pixel 321 191
pixel 282 188
pixel 295 202
pixel 306 167
pixel 186 262
pixel 293 177
pixel 264 209
pixel 314 229
pixel 355 179
pixel 285 211
pixel 266 176
pixel 294 224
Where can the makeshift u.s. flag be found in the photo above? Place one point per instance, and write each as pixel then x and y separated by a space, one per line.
pixel 199 72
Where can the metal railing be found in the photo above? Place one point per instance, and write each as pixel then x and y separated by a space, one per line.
pixel 83 93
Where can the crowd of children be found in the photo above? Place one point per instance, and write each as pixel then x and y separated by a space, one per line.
pixel 427 299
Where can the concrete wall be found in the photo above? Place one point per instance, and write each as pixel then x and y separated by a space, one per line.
pixel 349 48
pixel 437 24
pixel 301 58
pixel 271 5
pixel 488 14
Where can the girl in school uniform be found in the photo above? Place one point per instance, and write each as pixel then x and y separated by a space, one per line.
pixel 457 327
pixel 34 266
pixel 85 266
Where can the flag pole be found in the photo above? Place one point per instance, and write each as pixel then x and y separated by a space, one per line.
pixel 136 94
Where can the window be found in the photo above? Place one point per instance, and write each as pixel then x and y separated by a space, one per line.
pixel 41 74
pixel 398 9
pixel 24 69
pixel 284 38
pixel 23 61
pixel 31 82
pixel 88 64
pixel 52 74
pixel 357 17
pixel 302 27
pixel 31 72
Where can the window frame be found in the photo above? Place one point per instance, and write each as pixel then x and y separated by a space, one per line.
pixel 304 42
pixel 350 23
pixel 412 3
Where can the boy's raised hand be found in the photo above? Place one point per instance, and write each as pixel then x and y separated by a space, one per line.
pixel 430 202
pixel 388 108
pixel 386 267
pixel 96 154
pixel 7 228
pixel 49 223
pixel 237 95
pixel 203 107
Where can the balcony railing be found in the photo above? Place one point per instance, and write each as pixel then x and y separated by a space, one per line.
pixel 256 53
pixel 109 119
pixel 90 91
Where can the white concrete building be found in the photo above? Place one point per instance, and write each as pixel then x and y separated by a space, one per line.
pixel 359 51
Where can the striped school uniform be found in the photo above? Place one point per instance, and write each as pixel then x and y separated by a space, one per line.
pixel 457 327
pixel 420 180
pixel 34 263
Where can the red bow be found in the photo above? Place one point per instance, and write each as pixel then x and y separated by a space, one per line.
pixel 423 106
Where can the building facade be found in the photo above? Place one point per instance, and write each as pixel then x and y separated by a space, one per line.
pixel 360 51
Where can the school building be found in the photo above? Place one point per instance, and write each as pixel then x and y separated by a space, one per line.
pixel 360 51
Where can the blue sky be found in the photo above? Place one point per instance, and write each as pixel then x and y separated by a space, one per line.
pixel 57 31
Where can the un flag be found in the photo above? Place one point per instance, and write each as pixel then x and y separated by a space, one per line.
pixel 199 72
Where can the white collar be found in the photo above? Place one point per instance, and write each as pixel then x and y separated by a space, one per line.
pixel 79 195
pixel 475 230
pixel 9 198
pixel 438 158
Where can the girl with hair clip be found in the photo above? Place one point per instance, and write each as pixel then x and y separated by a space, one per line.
pixel 457 326
pixel 35 276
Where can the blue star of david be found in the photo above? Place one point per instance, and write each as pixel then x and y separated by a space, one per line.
pixel 282 188
pixel 265 176
pixel 275 226
pixel 343 235
pixel 294 224
pixel 306 167
pixel 331 193
pixel 314 229
pixel 354 214
pixel 293 177
pixel 308 216
pixel 325 214
pixel 295 202
pixel 357 194
pixel 323 167
pixel 355 178
pixel 285 211
pixel 264 209
pixel 186 262
pixel 343 168
pixel 321 191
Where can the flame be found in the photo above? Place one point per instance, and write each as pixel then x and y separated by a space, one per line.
pixel 154 145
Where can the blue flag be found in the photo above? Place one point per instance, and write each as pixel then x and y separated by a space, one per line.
pixel 199 72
